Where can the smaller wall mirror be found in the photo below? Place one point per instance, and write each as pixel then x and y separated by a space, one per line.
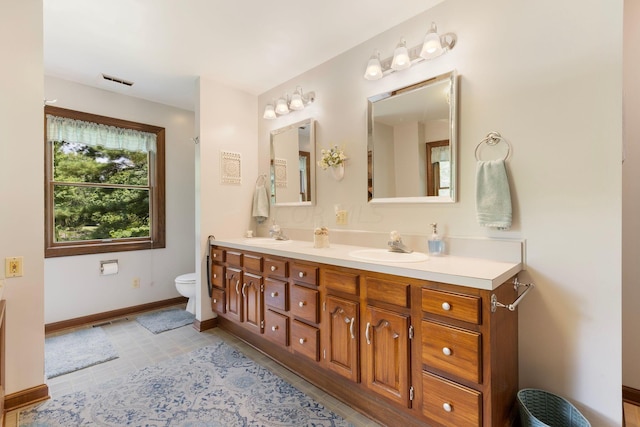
pixel 412 143
pixel 293 172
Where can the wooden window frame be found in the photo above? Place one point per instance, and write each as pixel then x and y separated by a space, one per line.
pixel 157 239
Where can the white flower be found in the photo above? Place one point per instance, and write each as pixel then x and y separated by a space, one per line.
pixel 331 158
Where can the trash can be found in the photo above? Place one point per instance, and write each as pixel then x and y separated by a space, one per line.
pixel 539 408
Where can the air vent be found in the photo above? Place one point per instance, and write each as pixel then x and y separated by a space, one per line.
pixel 117 80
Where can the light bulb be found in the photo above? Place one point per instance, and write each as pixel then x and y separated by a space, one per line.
pixel 269 112
pixel 432 46
pixel 401 59
pixel 296 100
pixel 374 69
pixel 281 107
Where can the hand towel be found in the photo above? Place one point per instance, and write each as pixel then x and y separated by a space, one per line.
pixel 493 198
pixel 260 203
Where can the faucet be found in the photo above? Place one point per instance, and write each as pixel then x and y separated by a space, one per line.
pixel 276 232
pixel 396 245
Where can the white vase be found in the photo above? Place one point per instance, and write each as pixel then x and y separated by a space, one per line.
pixel 338 172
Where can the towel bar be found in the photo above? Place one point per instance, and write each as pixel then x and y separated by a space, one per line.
pixel 511 307
pixel 492 139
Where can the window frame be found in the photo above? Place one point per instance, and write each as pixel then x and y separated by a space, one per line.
pixel 157 199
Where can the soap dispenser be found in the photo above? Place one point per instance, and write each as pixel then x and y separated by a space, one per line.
pixel 436 244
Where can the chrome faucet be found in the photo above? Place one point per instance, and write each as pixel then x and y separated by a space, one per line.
pixel 396 245
pixel 276 232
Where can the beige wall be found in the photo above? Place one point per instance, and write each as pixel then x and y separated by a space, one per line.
pixel 547 75
pixel 21 178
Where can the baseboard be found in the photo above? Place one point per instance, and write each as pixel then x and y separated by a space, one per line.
pixel 110 315
pixel 631 395
pixel 26 397
pixel 203 325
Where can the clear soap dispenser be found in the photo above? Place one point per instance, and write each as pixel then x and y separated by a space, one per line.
pixel 436 244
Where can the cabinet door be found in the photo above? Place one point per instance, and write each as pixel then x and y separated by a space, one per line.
pixel 387 354
pixel 234 294
pixel 252 296
pixel 341 339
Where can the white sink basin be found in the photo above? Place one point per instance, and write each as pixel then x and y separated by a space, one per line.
pixel 386 256
pixel 264 241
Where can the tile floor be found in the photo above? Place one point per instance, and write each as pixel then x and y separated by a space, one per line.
pixel 137 348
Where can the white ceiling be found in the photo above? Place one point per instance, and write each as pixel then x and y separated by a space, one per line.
pixel 164 45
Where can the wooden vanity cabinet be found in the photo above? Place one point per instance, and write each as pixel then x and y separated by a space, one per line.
pixel 404 351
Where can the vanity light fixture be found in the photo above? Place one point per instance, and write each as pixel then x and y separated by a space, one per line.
pixel 433 46
pixel 287 103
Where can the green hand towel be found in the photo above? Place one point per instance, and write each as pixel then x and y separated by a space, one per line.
pixel 493 198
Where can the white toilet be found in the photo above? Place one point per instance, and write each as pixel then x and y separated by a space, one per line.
pixel 186 285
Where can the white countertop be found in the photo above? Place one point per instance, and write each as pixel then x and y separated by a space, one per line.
pixel 471 272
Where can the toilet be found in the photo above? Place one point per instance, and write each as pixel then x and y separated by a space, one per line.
pixel 186 285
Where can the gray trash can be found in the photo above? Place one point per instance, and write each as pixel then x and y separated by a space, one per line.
pixel 539 408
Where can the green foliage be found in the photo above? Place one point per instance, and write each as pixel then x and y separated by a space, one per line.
pixel 99 210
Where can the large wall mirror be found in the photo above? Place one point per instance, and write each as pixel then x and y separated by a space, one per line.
pixel 293 172
pixel 413 142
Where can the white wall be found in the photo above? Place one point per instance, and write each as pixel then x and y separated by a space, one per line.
pixel 556 96
pixel 631 199
pixel 74 287
pixel 21 178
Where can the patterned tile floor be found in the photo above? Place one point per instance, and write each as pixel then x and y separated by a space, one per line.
pixel 137 348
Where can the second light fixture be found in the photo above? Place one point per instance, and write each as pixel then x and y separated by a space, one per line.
pixel 286 103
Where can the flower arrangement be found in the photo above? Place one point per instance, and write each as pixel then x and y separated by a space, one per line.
pixel 331 158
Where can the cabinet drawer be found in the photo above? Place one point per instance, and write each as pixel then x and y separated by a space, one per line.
pixel 275 294
pixel 396 293
pixel 217 254
pixel 455 306
pixel 276 327
pixel 305 340
pixel 217 276
pixel 450 404
pixel 276 268
pixel 304 273
pixel 339 281
pixel 304 303
pixel 253 263
pixel 217 301
pixel 453 350
pixel 234 259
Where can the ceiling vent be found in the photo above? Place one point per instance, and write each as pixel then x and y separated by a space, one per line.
pixel 117 80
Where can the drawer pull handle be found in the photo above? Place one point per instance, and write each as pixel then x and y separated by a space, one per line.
pixel 446 306
pixel 303 340
pixel 215 255
pixel 446 351
pixel 215 276
pixel 274 268
pixel 301 274
pixel 274 328
pixel 302 304
pixel 366 333
pixel 215 301
pixel 274 294
pixel 447 407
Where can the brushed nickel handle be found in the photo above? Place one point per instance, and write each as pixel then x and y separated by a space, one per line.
pixel 274 328
pixel 237 284
pixel 351 326
pixel 366 333
pixel 274 268
pixel 446 306
pixel 302 304
pixel 215 255
pixel 215 276
pixel 301 274
pixel 447 407
pixel 215 300
pixel 446 351
pixel 274 294
pixel 244 294
pixel 302 340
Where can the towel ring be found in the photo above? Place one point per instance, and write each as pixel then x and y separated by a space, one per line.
pixel 492 139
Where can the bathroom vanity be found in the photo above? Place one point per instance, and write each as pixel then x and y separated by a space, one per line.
pixel 405 343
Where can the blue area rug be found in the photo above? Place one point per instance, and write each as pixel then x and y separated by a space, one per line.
pixel 165 320
pixel 76 350
pixel 215 386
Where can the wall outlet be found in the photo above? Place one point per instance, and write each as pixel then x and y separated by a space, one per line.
pixel 13 266
pixel 136 282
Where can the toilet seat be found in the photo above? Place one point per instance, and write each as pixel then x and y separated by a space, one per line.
pixel 189 278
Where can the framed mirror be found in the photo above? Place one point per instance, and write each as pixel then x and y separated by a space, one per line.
pixel 412 143
pixel 293 172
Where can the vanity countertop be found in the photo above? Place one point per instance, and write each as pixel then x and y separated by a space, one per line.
pixel 456 270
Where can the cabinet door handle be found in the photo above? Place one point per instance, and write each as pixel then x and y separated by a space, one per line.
pixel 302 340
pixel 237 284
pixel 351 326
pixel 301 274
pixel 274 328
pixel 274 268
pixel 366 333
pixel 244 294
pixel 446 351
pixel 302 304
pixel 447 407
pixel 274 294
pixel 446 306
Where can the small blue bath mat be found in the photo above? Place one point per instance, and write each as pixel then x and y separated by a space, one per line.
pixel 165 320
pixel 76 350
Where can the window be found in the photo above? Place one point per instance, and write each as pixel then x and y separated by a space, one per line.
pixel 104 184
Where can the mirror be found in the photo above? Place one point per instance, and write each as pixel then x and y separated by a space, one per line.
pixel 293 173
pixel 412 143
